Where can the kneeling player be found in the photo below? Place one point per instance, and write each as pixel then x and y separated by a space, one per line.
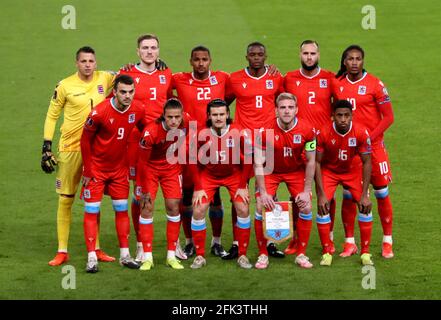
pixel 158 145
pixel 222 158
pixel 292 137
pixel 103 147
pixel 337 146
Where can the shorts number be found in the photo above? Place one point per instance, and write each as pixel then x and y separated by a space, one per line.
pixel 384 168
pixel 153 93
pixel 342 155
pixel 352 101
pixel 311 97
pixel 204 94
pixel 259 103
pixel 120 133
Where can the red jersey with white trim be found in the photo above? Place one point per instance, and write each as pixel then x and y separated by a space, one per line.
pixel 255 98
pixel 110 128
pixel 154 137
pixel 152 89
pixel 195 94
pixel 221 156
pixel 366 96
pixel 339 150
pixel 313 95
pixel 288 145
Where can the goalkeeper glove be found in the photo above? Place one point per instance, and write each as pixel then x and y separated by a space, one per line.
pixel 48 160
pixel 160 65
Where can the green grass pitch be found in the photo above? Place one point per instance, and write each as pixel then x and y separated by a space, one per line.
pixel 36 52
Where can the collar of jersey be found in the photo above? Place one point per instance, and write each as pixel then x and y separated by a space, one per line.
pixel 116 109
pixel 364 75
pixel 146 72
pixel 194 78
pixel 295 124
pixel 307 77
pixel 248 74
pixel 227 128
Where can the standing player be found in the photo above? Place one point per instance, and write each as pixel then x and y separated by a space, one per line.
pixel 159 143
pixel 103 146
pixel 255 91
pixel 337 146
pixel 152 89
pixel 222 155
pixel 292 138
pixel 195 89
pixel 76 95
pixel 372 108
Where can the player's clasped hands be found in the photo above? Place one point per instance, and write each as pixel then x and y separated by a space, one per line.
pixel 365 205
pixel 198 196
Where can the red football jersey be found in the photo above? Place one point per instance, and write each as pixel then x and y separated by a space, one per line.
pixel 366 96
pixel 152 89
pixel 108 130
pixel 221 156
pixel 255 98
pixel 154 137
pixel 195 94
pixel 340 150
pixel 313 95
pixel 288 145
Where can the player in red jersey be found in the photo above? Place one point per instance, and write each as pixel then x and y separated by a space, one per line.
pixel 103 148
pixel 195 89
pixel 373 109
pixel 225 159
pixel 159 143
pixel 292 138
pixel 338 145
pixel 255 89
pixel 152 88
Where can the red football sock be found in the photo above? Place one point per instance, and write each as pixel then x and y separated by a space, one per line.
pixel 348 213
pixel 135 218
pixel 146 233
pixel 122 223
pixel 90 230
pixel 243 236
pixel 386 214
pixel 199 237
pixel 303 231
pixel 365 235
pixel 261 240
pixel 324 230
pixel 173 226
pixel 332 214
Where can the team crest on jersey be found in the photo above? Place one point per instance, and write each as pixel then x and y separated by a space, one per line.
pixel 244 85
pixel 362 90
pixel 57 183
pixel 132 118
pixel 230 143
pixel 100 89
pixel 352 142
pixel 297 138
pixel 162 79
pixel 297 83
pixel 269 84
pixel 213 80
pixel 86 194
pixel 323 83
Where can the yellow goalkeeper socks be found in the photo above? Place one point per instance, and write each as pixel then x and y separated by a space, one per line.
pixel 64 217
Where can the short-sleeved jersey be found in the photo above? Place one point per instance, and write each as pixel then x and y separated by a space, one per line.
pixel 339 150
pixel 152 89
pixel 255 98
pixel 288 145
pixel 313 95
pixel 161 141
pixel 111 128
pixel 76 98
pixel 221 156
pixel 195 94
pixel 366 96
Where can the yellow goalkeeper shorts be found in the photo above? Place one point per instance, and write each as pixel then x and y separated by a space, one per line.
pixel 69 172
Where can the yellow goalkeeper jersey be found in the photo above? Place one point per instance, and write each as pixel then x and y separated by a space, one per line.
pixel 76 98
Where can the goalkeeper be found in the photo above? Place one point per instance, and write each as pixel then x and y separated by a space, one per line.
pixel 76 96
